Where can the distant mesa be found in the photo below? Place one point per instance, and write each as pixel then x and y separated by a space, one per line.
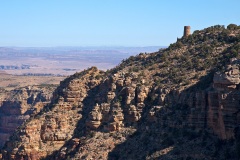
pixel 187 31
pixel 14 67
pixel 69 69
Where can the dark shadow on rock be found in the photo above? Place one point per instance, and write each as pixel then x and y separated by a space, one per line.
pixel 88 104
pixel 157 140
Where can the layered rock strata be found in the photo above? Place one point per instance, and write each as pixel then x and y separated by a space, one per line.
pixel 18 105
pixel 148 107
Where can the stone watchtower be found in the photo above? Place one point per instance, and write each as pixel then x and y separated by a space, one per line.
pixel 187 31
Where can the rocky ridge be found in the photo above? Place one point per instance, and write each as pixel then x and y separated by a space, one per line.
pixel 180 102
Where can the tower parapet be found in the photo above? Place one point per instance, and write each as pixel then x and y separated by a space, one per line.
pixel 187 31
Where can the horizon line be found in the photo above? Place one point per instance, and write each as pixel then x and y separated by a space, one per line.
pixel 83 46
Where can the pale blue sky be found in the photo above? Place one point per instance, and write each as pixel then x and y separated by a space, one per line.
pixel 108 22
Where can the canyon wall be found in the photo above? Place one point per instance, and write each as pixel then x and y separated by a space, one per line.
pixel 83 104
pixel 18 105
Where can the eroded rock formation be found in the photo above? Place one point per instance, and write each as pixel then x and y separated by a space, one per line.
pixel 18 105
pixel 107 105
pixel 167 105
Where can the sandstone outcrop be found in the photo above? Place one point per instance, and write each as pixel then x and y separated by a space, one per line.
pixel 116 107
pixel 223 112
pixel 18 105
pixel 49 131
pixel 181 102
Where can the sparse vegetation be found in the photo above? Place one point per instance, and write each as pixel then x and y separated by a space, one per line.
pixel 151 106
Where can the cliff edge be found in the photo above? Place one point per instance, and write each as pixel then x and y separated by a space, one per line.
pixel 179 102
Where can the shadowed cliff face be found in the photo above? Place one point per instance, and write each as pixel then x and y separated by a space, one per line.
pixel 162 105
pixel 91 125
pixel 198 125
pixel 18 105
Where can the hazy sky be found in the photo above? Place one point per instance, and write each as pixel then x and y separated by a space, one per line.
pixel 108 22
